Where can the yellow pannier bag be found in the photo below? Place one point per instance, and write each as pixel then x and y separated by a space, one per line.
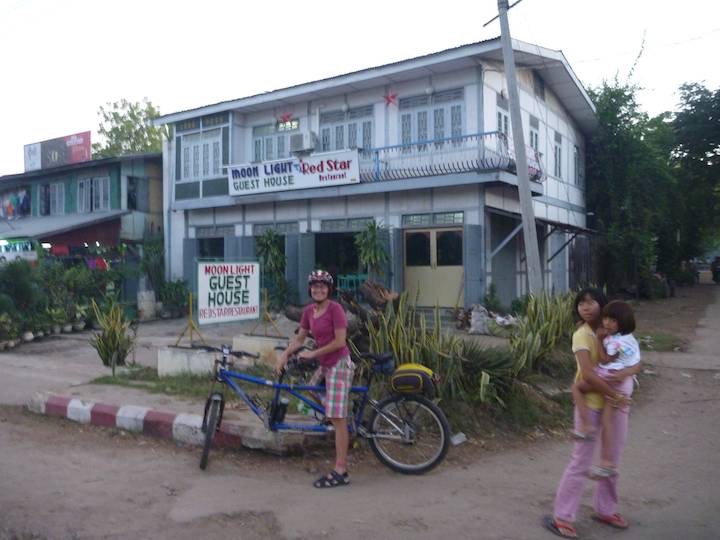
pixel 413 379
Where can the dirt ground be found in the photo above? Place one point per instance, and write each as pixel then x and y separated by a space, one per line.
pixel 676 316
pixel 61 480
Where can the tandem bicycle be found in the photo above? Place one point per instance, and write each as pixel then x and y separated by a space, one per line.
pixel 406 430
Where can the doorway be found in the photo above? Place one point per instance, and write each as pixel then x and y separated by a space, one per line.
pixel 336 253
pixel 434 266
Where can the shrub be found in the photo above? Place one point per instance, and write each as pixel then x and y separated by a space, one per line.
pixel 116 339
pixel 153 262
pixel 272 258
pixel 371 247
pixel 467 371
pixel 51 274
pixel 18 281
pixel 80 282
pixel 7 305
pixel 8 329
pixel 492 301
pixel 518 307
pixel 174 295
pixel 548 319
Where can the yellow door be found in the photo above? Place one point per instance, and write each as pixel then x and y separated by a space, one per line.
pixel 434 266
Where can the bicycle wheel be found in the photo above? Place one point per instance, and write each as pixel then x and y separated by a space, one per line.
pixel 210 429
pixel 410 434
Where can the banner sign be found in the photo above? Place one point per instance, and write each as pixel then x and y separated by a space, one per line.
pixel 330 169
pixel 228 291
pixel 56 152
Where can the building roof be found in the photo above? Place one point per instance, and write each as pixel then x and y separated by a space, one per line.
pixel 29 175
pixel 38 227
pixel 551 65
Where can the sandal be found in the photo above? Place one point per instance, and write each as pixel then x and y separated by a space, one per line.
pixel 334 479
pixel 601 473
pixel 560 528
pixel 616 520
pixel 583 436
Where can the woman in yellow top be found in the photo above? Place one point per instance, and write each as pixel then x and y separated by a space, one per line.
pixel 588 309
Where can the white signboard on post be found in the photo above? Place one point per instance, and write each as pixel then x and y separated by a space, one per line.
pixel 228 291
pixel 322 170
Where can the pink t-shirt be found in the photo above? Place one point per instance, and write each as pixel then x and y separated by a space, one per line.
pixel 323 330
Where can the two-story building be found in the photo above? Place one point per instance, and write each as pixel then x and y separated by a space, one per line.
pixel 100 202
pixel 429 154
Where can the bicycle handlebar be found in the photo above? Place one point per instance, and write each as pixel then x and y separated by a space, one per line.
pixel 227 350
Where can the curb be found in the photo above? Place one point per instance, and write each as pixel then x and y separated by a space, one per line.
pixel 182 428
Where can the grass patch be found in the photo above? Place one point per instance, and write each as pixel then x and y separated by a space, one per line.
pixel 183 385
pixel 660 342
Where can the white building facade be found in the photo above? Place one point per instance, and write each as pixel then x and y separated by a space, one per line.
pixel 432 161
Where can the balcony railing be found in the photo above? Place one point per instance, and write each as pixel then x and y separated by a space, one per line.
pixel 461 154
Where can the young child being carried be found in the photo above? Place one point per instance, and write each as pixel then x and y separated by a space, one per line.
pixel 619 350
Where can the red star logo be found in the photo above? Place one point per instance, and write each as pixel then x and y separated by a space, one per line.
pixel 285 117
pixel 390 98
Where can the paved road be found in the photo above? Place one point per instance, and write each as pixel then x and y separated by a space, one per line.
pixel 62 480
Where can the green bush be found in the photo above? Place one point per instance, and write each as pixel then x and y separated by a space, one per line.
pixel 518 307
pixel 492 301
pixel 80 283
pixel 174 295
pixel 8 329
pixel 153 262
pixel 653 288
pixel 371 247
pixel 684 276
pixel 547 321
pixel 115 340
pixel 468 372
pixel 52 274
pixel 18 281
pixel 7 305
pixel 271 254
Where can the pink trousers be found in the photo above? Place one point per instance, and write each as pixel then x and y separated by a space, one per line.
pixel 570 490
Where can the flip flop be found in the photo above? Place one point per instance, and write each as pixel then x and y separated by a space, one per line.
pixel 601 473
pixel 554 527
pixel 616 520
pixel 582 436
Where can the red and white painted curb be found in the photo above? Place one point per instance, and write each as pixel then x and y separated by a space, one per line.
pixel 179 427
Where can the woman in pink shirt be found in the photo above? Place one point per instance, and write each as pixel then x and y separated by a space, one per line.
pixel 326 320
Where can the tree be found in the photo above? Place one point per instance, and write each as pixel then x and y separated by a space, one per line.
pixel 696 153
pixel 126 128
pixel 371 247
pixel 629 184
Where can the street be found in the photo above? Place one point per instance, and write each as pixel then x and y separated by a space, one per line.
pixel 59 479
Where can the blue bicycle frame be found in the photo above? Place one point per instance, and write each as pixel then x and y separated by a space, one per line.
pixel 228 377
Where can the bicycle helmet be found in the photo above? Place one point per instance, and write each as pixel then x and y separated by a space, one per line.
pixel 320 276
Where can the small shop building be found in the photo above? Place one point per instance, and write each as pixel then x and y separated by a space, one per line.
pixel 422 147
pixel 76 210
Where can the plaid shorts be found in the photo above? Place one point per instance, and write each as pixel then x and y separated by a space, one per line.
pixel 338 381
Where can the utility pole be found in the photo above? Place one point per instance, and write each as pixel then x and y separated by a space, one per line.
pixel 532 255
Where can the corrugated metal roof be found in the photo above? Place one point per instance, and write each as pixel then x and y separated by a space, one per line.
pixel 41 226
pixel 75 166
pixel 552 65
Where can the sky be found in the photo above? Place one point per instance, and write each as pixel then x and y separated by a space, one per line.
pixel 61 60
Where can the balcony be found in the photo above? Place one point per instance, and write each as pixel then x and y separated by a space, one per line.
pixel 462 154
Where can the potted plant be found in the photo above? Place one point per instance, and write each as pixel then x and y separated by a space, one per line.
pixel 7 331
pixel 81 311
pixel 57 319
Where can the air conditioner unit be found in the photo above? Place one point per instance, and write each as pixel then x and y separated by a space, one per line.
pixel 303 142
